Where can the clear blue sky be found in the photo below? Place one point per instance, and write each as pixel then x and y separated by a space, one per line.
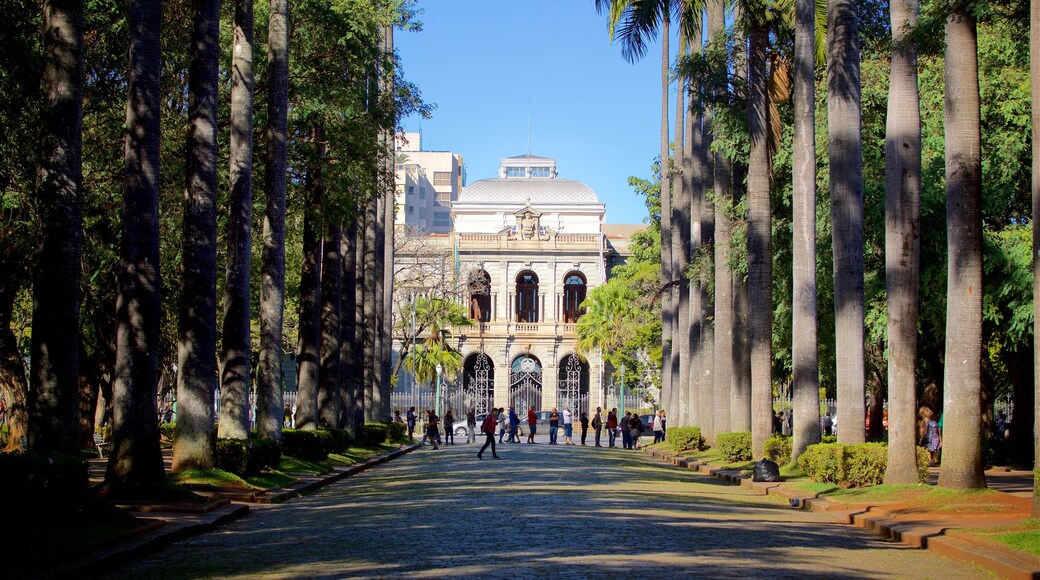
pixel 481 61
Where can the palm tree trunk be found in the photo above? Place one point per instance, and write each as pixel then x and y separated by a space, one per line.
pixel 803 329
pixel 760 255
pixel 846 178
pixel 56 289
pixel 681 251
pixel 705 228
pixel 962 443
pixel 136 458
pixel 330 371
pixel 1034 70
pixel 722 174
pixel 308 348
pixel 197 340
pixel 377 329
pixel 349 367
pixel 902 244
pixel 361 335
pixel 668 322
pixel 13 386
pixel 389 188
pixel 371 322
pixel 235 364
pixel 270 412
pixel 740 409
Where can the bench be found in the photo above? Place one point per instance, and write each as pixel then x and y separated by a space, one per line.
pixel 100 444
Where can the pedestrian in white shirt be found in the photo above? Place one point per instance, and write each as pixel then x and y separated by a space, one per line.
pixel 658 427
pixel 568 426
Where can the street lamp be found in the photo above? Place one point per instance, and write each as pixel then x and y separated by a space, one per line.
pixel 622 402
pixel 438 403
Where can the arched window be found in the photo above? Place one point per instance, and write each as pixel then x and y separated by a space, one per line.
pixel 527 297
pixel 574 288
pixel 480 296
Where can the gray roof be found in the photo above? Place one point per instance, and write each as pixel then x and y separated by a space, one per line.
pixel 519 190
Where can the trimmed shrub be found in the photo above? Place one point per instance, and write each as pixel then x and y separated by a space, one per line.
pixel 341 440
pixel 373 434
pixel 684 438
pixel 865 464
pixel 824 462
pixel 829 439
pixel 859 465
pixel 735 446
pixel 778 449
pixel 923 459
pixel 166 430
pixel 306 445
pixel 246 457
pixel 397 430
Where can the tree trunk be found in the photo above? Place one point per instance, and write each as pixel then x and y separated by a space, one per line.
pixel 804 353
pixel 1034 73
pixel 371 321
pixel 846 178
pixel 361 335
pixel 349 367
pixel 54 351
pixel 962 429
pixel 1019 363
pixel 196 345
pixel 331 327
pixel 235 364
pixel 740 409
pixel 136 458
pixel 704 238
pixel 722 182
pixel 668 321
pixel 683 413
pixel 389 189
pixel 269 413
pixel 760 255
pixel 308 346
pixel 902 244
pixel 13 386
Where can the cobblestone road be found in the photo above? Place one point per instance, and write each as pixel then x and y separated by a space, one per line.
pixel 541 512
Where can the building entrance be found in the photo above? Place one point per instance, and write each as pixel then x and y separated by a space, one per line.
pixel 525 384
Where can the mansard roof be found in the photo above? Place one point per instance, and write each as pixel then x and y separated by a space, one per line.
pixel 538 192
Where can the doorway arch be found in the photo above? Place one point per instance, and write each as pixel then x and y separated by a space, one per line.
pixel 525 383
pixel 478 381
pixel 573 386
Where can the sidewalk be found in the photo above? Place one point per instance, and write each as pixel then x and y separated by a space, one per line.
pixel 168 523
pixel 944 529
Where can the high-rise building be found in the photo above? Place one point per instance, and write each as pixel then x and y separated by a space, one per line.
pixel 427 183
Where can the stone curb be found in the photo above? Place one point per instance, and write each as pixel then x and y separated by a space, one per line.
pixel 943 540
pixel 185 524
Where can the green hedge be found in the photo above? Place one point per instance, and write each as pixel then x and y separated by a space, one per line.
pixel 778 449
pixel 735 446
pixel 397 430
pixel 306 445
pixel 35 481
pixel 341 440
pixel 246 457
pixel 859 465
pixel 373 434
pixel 166 430
pixel 684 438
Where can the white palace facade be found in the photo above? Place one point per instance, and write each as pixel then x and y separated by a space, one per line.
pixel 524 251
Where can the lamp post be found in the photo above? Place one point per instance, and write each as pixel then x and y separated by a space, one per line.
pixel 621 403
pixel 437 404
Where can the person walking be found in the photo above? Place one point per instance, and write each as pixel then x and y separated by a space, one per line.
pixel 612 425
pixel 827 423
pixel 501 418
pixel 488 429
pixel 411 424
pixel 626 434
pixel 449 428
pixel 554 426
pixel 471 425
pixel 932 439
pixel 597 425
pixel 658 427
pixel 635 427
pixel 584 426
pixel 514 424
pixel 431 428
pixel 532 424
pixel 568 426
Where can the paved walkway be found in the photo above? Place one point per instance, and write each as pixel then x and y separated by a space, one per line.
pixel 553 512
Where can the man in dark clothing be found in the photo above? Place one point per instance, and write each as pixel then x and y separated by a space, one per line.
pixel 597 424
pixel 626 435
pixel 514 424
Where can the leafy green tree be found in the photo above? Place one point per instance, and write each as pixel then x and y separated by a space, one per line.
pixel 439 316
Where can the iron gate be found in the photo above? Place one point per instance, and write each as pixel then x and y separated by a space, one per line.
pixel 525 383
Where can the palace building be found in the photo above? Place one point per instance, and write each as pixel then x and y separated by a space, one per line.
pixel 524 250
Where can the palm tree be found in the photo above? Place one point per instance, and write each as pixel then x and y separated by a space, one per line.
pixel 272 268
pixel 1034 66
pixel 740 409
pixel 348 327
pixel 369 301
pixel 308 348
pixel 439 316
pixel 606 324
pixel 235 363
pixel 197 325
pixel 902 244
pixel 330 371
pixel 389 199
pixel 804 344
pixel 55 338
pixel 136 457
pixel 682 197
pixel 846 178
pixel 962 443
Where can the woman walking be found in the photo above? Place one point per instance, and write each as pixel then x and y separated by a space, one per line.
pixel 532 424
pixel 635 426
pixel 659 427
pixel 488 429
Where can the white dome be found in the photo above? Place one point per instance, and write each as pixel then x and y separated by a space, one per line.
pixel 540 192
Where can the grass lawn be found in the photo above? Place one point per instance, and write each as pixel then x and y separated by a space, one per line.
pixel 1024 536
pixel 211 478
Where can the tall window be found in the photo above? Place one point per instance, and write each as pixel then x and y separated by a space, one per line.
pixel 527 297
pixel 574 287
pixel 480 296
